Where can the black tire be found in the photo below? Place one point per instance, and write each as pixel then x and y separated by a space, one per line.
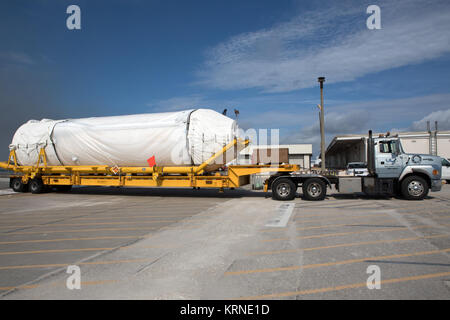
pixel 65 188
pixel 283 189
pixel 36 186
pixel 414 188
pixel 18 186
pixel 314 189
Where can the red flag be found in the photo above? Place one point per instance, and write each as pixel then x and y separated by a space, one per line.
pixel 151 161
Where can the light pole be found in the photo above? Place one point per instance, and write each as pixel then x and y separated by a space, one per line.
pixel 322 125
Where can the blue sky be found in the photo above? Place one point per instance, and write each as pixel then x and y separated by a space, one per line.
pixel 261 57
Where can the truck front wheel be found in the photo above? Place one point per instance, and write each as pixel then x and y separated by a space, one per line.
pixel 283 189
pixel 314 189
pixel 414 188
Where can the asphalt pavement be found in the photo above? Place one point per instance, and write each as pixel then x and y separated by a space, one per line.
pixel 204 244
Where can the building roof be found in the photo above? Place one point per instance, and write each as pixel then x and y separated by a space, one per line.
pixel 400 134
pixel 342 141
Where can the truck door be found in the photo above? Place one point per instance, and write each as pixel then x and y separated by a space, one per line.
pixel 389 161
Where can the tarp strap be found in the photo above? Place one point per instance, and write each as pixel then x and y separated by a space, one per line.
pixel 53 143
pixel 187 136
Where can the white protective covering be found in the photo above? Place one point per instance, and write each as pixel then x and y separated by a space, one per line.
pixel 173 138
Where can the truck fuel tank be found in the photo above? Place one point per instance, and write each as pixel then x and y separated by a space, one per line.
pixel 350 184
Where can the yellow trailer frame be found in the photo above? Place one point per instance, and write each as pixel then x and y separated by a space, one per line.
pixel 156 176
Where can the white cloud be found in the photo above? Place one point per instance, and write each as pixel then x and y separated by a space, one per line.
pixel 348 117
pixel 333 42
pixel 272 119
pixel 394 111
pixel 16 57
pixel 335 124
pixel 410 114
pixel 177 103
pixel 441 116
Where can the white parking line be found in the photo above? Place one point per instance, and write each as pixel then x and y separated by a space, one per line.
pixel 282 216
pixel 4 192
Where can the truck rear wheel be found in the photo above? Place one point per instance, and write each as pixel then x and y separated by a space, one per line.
pixel 414 188
pixel 314 189
pixel 18 186
pixel 36 186
pixel 283 189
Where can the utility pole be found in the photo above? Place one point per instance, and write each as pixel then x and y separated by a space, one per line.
pixel 322 125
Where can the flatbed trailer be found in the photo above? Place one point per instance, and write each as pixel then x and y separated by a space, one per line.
pixel 42 177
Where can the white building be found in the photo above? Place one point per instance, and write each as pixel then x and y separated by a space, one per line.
pixel 352 148
pixel 299 154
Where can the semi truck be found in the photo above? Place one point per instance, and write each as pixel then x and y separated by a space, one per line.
pixel 391 172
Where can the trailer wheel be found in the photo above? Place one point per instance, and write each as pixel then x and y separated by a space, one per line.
pixel 414 188
pixel 18 186
pixel 283 189
pixel 314 189
pixel 36 186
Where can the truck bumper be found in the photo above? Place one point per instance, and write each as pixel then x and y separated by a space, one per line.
pixel 436 185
